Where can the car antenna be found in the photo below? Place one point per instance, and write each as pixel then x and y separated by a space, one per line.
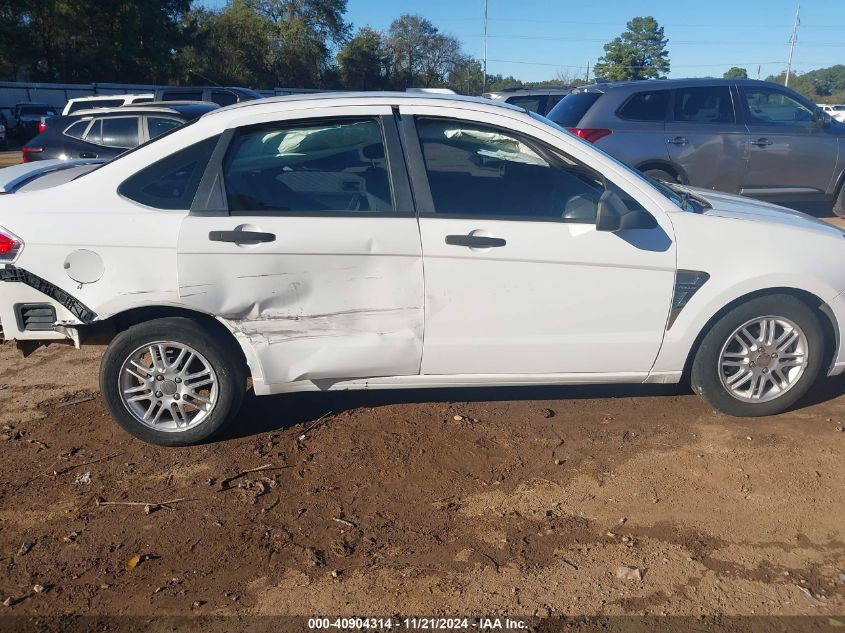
pixel 214 83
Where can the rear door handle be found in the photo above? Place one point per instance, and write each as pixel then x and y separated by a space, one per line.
pixel 475 241
pixel 87 155
pixel 761 142
pixel 241 237
pixel 678 140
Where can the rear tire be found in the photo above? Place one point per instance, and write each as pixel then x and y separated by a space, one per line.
pixel 760 358
pixel 839 204
pixel 662 174
pixel 172 382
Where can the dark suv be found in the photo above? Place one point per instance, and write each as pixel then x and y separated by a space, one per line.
pixel 749 137
pixel 108 132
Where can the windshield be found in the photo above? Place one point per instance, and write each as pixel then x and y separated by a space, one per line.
pixel 662 188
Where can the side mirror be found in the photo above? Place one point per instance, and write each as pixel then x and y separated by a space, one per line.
pixel 613 215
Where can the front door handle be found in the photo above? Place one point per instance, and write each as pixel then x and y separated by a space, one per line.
pixel 87 155
pixel 761 142
pixel 678 140
pixel 475 241
pixel 241 237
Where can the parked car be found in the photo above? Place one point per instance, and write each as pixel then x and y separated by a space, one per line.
pixel 286 239
pixel 215 94
pixel 749 137
pixel 43 174
pixel 540 100
pixel 4 140
pixel 109 132
pixel 106 101
pixel 27 118
pixel 835 110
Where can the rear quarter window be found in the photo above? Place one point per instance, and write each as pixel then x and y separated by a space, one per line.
pixel 573 107
pixel 649 105
pixel 172 182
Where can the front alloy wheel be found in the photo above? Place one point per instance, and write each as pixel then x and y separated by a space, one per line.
pixel 763 359
pixel 760 357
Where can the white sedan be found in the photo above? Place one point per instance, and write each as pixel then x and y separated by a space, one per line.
pixel 343 241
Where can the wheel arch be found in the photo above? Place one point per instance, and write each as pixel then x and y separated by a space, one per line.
pixel 827 319
pixel 103 331
pixel 665 165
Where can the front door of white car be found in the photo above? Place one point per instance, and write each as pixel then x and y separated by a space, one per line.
pixel 306 245
pixel 518 280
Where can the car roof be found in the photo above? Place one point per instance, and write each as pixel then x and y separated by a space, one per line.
pixel 365 98
pixel 511 92
pixel 656 84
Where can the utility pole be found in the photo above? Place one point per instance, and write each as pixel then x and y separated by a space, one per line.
pixel 758 72
pixel 792 40
pixel 484 79
pixel 588 72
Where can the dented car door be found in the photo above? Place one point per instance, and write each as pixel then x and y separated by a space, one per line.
pixel 307 246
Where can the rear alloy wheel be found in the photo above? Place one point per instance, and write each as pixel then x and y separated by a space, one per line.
pixel 760 358
pixel 170 382
pixel 839 204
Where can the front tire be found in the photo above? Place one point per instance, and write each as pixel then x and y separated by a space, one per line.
pixel 760 358
pixel 172 382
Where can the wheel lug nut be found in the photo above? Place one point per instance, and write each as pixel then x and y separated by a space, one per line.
pixel 176 396
pixel 752 364
pixel 159 394
pixel 765 371
pixel 774 355
pixel 177 380
pixel 159 377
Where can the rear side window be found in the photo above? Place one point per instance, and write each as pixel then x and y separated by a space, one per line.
pixel 182 95
pixel 532 104
pixel 222 98
pixel 121 132
pixel 326 167
pixel 95 132
pixel 573 107
pixel 645 106
pixel 172 182
pixel 711 104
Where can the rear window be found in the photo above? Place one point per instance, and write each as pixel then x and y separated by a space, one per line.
pixel 172 182
pixel 182 95
pixel 36 110
pixel 645 106
pixel 573 107
pixel 531 104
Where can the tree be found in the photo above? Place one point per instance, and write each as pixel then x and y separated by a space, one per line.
pixel 639 53
pixel 421 56
pixel 363 62
pixel 466 76
pixel 736 73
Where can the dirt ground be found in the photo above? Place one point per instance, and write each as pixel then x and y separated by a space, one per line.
pixel 454 502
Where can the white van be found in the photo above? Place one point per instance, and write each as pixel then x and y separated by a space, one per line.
pixel 105 101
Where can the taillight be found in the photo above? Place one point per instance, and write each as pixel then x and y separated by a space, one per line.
pixel 591 135
pixel 41 127
pixel 10 245
pixel 27 152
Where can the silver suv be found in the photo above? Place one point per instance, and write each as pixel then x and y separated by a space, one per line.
pixel 749 137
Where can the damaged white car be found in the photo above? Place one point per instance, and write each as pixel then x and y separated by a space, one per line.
pixel 343 241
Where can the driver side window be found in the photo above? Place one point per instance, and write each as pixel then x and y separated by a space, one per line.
pixel 772 107
pixel 476 170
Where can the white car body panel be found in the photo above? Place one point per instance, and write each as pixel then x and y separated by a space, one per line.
pixel 339 303
pixel 579 283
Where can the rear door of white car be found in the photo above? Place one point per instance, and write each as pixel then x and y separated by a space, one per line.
pixel 517 278
pixel 303 237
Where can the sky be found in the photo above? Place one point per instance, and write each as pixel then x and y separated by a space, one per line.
pixel 535 40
